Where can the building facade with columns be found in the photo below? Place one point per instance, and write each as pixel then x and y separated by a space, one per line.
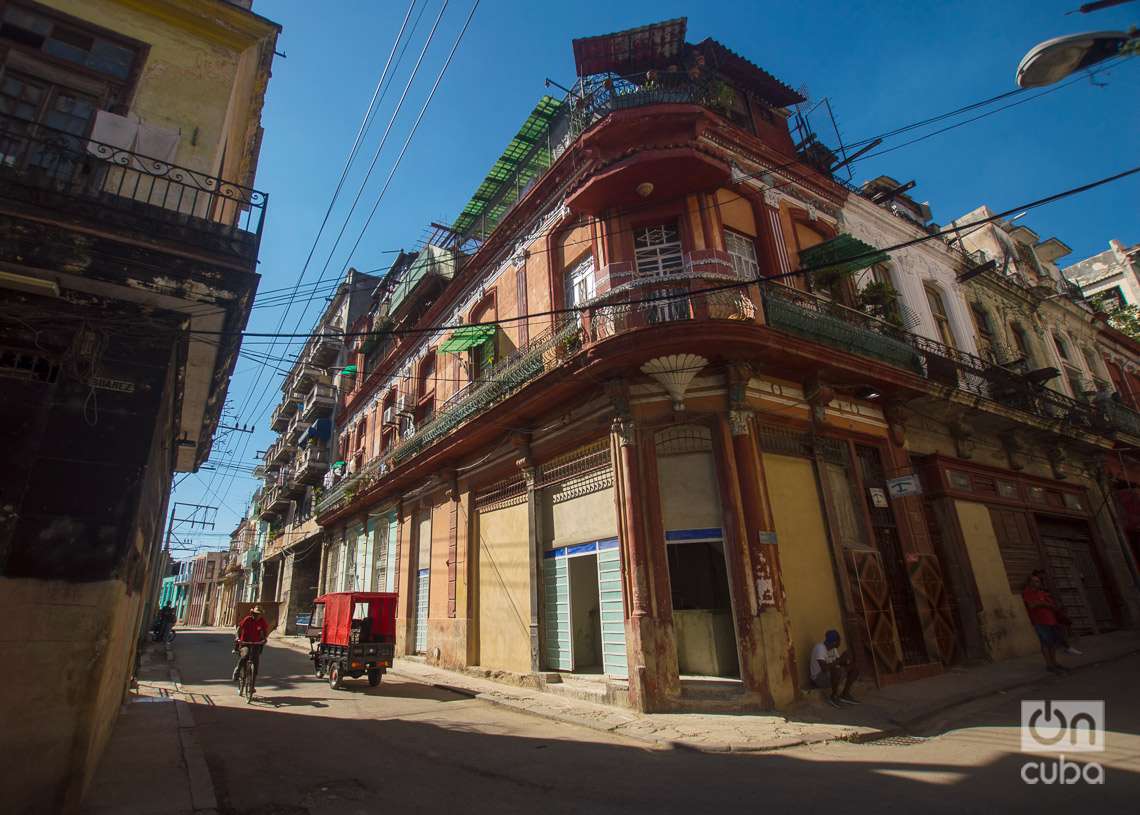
pixel 658 405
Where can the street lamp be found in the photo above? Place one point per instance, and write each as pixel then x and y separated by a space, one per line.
pixel 1055 59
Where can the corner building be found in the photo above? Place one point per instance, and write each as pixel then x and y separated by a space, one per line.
pixel 605 433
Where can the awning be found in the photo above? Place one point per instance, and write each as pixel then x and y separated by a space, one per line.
pixel 349 370
pixel 468 336
pixel 842 255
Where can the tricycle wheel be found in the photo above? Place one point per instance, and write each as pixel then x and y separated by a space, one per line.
pixel 374 677
pixel 335 677
pixel 320 667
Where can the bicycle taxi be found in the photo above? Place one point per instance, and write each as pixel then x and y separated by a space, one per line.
pixel 353 634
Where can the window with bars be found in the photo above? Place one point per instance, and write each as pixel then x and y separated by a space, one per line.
pixel 581 283
pixel 742 250
pixel 657 253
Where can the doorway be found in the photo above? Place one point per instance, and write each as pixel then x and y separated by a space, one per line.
pixel 584 618
pixel 1074 574
pixel 694 544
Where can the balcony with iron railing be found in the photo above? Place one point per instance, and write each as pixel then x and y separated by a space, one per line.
pixel 706 286
pixel 846 329
pixel 279 452
pixel 275 503
pixel 311 464
pixel 304 378
pixel 282 413
pixel 297 426
pixel 322 350
pixel 507 377
pixel 116 187
pixel 319 402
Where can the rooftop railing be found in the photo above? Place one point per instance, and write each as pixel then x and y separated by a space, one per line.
pixel 36 158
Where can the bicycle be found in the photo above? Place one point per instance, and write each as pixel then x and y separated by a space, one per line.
pixel 247 673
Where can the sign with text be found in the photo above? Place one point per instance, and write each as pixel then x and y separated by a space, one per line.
pixel 903 486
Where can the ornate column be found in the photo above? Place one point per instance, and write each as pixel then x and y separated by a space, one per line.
pixel 525 463
pixel 767 665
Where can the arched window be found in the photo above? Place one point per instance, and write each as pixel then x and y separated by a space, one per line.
pixel 879 296
pixel 1021 344
pixel 940 314
pixel 1102 384
pixel 985 329
pixel 1077 385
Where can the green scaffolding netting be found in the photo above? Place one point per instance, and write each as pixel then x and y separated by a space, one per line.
pixel 526 158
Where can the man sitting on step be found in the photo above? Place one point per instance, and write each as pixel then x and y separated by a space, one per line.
pixel 831 669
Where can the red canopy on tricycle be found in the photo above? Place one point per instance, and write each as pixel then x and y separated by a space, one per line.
pixel 340 610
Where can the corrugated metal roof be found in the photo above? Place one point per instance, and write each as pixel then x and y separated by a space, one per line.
pixel 636 49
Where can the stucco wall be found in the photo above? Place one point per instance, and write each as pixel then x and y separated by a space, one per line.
pixel 504 589
pixel 1003 621
pixel 186 82
pixel 805 554
pixel 578 520
pixel 689 496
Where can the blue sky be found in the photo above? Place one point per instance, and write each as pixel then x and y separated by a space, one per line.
pixel 881 65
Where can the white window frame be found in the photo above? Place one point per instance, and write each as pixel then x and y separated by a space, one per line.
pixel 742 250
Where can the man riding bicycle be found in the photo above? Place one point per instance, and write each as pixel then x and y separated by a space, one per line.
pixel 252 632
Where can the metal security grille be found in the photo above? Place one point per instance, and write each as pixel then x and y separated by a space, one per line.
pixel 886 534
pixel 682 439
pixel 743 253
pixel 422 582
pixel 557 631
pixel 593 456
pixel 505 493
pixel 612 609
pixel 657 253
pixel 16 363
pixel 784 442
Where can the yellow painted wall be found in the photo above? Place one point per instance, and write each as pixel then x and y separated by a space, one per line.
pixel 736 212
pixel 1004 622
pixel 805 554
pixel 504 589
pixel 440 550
pixel 189 80
pixel 579 520
pixel 689 495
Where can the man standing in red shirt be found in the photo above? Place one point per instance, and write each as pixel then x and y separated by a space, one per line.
pixel 1043 613
pixel 252 632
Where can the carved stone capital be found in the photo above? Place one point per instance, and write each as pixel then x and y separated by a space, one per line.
pixel 738 421
pixel 530 476
pixel 450 480
pixel 617 391
pixel 896 415
pixel 737 377
pixel 626 430
pixel 818 395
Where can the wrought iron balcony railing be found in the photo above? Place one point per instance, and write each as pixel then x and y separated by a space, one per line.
pixel 319 402
pixel 631 300
pixel 35 159
pixel 849 330
pixel 284 411
pixel 1120 418
pixel 505 379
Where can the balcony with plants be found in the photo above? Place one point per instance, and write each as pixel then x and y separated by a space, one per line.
pixel 506 378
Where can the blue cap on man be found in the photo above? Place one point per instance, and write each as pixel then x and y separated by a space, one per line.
pixel 831 638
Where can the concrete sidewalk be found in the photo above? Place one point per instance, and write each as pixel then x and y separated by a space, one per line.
pixel 153 764
pixel 886 711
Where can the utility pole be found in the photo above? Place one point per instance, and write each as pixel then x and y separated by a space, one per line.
pixel 198 516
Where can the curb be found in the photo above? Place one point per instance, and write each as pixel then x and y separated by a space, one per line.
pixel 904 728
pixel 202 794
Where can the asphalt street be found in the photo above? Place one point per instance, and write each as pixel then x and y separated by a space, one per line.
pixel 301 747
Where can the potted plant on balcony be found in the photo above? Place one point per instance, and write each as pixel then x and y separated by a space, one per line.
pixel 880 300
